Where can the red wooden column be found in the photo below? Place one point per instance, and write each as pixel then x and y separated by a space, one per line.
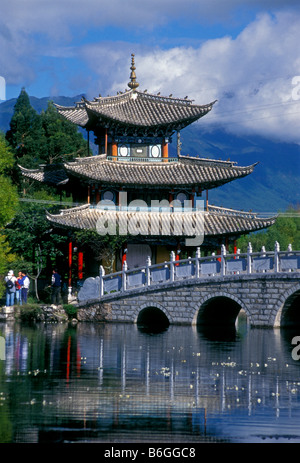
pixel 234 247
pixel 80 265
pixel 171 199
pixel 70 269
pixel 177 257
pixel 226 243
pixel 98 194
pixel 192 197
pixel 165 150
pixel 105 141
pixel 114 149
pixel 124 259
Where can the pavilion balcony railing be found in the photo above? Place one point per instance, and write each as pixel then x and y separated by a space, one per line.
pixel 141 159
pixel 198 267
pixel 177 207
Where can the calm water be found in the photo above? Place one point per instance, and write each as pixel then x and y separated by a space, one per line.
pixel 120 383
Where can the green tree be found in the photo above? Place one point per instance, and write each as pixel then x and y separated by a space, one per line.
pixel 9 205
pixel 62 139
pixel 35 243
pixel 44 138
pixel 8 192
pixel 286 230
pixel 25 135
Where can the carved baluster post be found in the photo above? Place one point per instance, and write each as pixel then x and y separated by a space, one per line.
pixel 223 260
pixel 237 257
pixel 249 259
pixel 148 275
pixel 172 266
pixel 290 250
pixel 101 274
pixel 213 260
pixel 263 254
pixel 124 276
pixel 197 263
pixel 276 257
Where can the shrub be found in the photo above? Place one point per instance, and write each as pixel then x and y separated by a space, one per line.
pixel 30 313
pixel 70 310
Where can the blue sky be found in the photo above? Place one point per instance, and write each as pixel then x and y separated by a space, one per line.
pixel 244 53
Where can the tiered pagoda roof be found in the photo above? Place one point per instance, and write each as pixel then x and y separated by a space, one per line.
pixel 135 113
pixel 50 174
pixel 217 221
pixel 182 172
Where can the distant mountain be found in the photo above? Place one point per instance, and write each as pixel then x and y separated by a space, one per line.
pixel 273 186
pixel 275 182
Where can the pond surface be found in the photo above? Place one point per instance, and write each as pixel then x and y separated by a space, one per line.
pixel 121 383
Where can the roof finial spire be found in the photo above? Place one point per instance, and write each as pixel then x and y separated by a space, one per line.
pixel 133 83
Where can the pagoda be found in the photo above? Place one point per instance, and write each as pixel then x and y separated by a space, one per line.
pixel 134 131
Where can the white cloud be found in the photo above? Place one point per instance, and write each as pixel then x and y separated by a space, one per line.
pixel 250 76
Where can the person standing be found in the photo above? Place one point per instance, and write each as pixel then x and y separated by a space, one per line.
pixel 10 287
pixel 25 287
pixel 19 283
pixel 55 285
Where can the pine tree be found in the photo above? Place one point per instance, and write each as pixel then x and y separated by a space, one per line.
pixel 25 135
pixel 44 138
pixel 62 139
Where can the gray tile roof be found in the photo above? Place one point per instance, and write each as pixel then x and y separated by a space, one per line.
pixel 217 221
pixel 136 110
pixel 186 172
pixel 76 114
pixel 51 174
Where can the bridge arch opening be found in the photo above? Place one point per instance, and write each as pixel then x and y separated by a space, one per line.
pixel 219 311
pixel 290 315
pixel 152 319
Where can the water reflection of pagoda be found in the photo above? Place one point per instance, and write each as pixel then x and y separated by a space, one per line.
pixel 133 131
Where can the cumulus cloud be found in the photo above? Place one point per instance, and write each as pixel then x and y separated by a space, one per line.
pixel 251 76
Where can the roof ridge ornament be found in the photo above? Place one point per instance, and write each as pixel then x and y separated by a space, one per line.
pixel 133 84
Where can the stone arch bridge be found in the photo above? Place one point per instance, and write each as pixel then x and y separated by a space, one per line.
pixel 203 290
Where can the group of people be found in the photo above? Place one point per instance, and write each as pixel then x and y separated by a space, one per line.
pixel 16 288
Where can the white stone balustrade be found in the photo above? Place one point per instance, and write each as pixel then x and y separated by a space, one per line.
pixel 214 266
